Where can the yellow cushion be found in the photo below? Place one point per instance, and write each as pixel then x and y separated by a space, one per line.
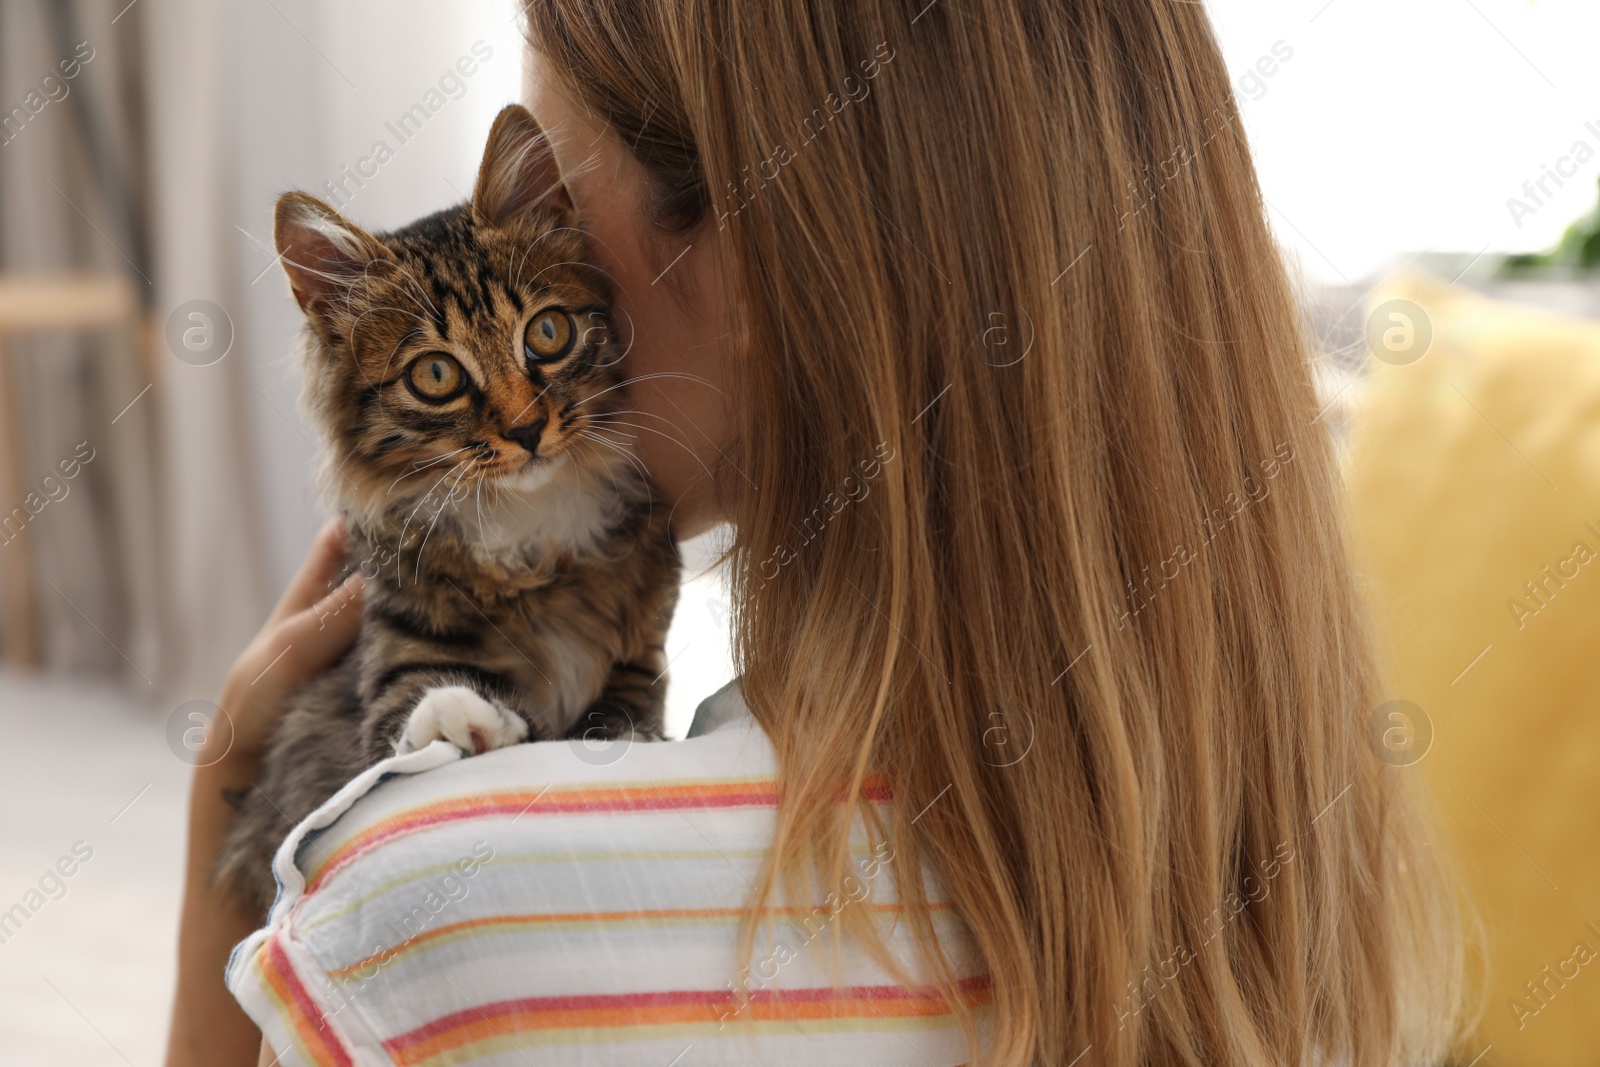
pixel 1473 490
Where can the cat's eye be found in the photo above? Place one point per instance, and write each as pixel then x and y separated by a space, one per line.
pixel 549 335
pixel 436 377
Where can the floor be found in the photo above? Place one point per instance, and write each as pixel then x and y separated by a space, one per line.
pixel 86 979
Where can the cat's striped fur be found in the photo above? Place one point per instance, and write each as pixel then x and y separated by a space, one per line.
pixel 520 576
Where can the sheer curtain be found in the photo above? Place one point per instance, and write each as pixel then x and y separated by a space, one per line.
pixel 73 197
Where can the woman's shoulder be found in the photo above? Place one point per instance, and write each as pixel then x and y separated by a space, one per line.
pixel 550 895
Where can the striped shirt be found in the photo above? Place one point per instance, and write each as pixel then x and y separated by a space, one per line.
pixel 577 903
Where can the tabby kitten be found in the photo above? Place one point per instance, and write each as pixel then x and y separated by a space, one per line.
pixel 520 577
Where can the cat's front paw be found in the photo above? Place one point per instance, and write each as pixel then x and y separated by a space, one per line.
pixel 459 715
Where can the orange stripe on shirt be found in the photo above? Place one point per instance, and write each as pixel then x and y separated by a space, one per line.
pixel 725 793
pixel 538 920
pixel 688 1007
pixel 306 1019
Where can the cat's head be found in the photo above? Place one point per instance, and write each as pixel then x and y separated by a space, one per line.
pixel 471 347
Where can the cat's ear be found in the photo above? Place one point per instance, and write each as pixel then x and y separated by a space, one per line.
pixel 518 170
pixel 323 253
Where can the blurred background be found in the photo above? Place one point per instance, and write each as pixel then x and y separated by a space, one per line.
pixel 1430 169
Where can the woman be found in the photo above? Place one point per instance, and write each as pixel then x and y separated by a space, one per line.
pixel 1092 623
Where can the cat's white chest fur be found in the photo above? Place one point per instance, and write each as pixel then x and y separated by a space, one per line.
pixel 573 673
pixel 550 508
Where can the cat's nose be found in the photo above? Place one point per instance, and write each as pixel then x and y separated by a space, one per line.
pixel 527 435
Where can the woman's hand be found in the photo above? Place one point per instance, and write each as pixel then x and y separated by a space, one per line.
pixel 305 634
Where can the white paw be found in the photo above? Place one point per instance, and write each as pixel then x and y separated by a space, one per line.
pixel 460 716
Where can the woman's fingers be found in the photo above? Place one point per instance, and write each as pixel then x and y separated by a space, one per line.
pixel 321 565
pixel 320 634
pixel 285 656
pixel 310 640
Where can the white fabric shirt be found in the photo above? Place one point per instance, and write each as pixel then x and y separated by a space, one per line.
pixel 572 903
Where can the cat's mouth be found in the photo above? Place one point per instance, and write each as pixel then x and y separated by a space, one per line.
pixel 504 465
pixel 534 473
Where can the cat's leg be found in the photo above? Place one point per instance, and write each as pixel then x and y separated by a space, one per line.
pixel 629 707
pixel 411 705
pixel 633 702
pixel 460 715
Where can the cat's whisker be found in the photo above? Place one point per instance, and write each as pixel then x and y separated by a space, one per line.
pixel 540 144
pixel 429 493
pixel 590 238
pixel 611 473
pixel 418 470
pixel 572 263
pixel 516 266
pixel 449 499
pixel 697 379
pixel 399 550
pixel 669 437
pixel 646 377
pixel 609 420
pixel 374 309
pixel 256 242
pixel 626 449
pixel 602 416
pixel 632 461
pixel 529 249
pixel 389 360
pixel 587 165
pixel 412 286
pixel 626 454
pixel 612 429
pixel 355 329
pixel 411 289
pixel 483 538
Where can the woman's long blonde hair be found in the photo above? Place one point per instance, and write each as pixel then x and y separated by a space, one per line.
pixel 1034 516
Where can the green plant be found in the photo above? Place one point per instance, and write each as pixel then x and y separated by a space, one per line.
pixel 1578 249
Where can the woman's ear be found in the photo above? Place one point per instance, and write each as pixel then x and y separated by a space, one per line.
pixel 518 171
pixel 324 254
